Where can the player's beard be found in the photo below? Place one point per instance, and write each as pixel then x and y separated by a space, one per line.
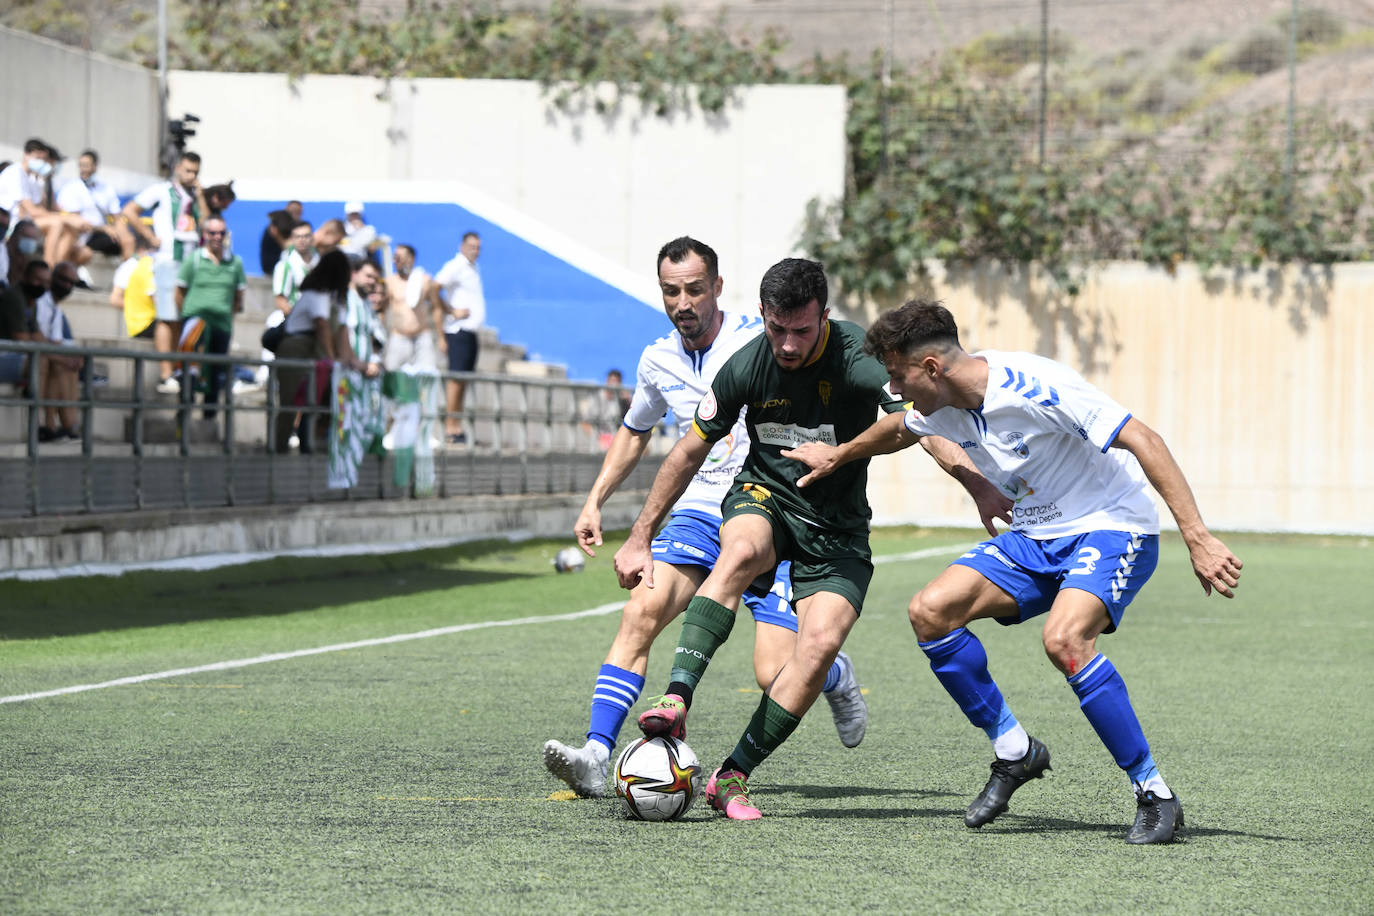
pixel 689 325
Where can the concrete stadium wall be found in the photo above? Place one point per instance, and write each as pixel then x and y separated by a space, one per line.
pixel 75 100
pixel 1261 382
pixel 104 544
pixel 621 184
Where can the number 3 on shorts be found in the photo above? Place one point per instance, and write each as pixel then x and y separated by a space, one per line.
pixel 1087 559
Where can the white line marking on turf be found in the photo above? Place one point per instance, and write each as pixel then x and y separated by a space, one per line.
pixel 300 653
pixel 599 611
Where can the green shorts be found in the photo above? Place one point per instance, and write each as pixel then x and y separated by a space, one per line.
pixel 823 559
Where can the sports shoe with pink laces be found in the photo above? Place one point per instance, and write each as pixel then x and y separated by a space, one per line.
pixel 727 793
pixel 666 717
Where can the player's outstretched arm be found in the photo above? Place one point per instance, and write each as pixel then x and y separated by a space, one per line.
pixel 634 560
pixel 627 447
pixel 1215 566
pixel 990 501
pixel 882 438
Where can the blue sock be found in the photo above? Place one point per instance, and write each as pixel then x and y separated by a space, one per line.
pixel 961 665
pixel 615 692
pixel 1102 695
pixel 832 677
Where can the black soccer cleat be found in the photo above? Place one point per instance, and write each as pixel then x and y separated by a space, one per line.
pixel 1007 777
pixel 1157 820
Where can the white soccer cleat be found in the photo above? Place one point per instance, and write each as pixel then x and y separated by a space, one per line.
pixel 847 705
pixel 582 768
pixel 169 385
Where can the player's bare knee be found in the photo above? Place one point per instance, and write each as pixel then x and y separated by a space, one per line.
pixel 929 614
pixel 1067 650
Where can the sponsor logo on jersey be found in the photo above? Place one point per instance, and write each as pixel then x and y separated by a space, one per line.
pixel 721 450
pixel 678 387
pixel 707 408
pixel 789 435
pixel 823 389
pixel 968 444
pixel 1017 443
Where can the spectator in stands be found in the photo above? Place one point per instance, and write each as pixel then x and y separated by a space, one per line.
pixel 178 206
pixel 361 240
pixel 24 193
pixel 329 236
pixel 355 342
pixel 209 294
pixel 25 244
pixel 606 408
pixel 457 290
pixel 4 249
pixel 310 335
pixel 96 202
pixel 277 233
pixel 292 267
pixel 218 197
pixel 16 318
pixel 410 318
pixel 134 290
pixel 58 376
pixel 287 275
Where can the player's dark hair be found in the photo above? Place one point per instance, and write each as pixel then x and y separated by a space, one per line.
pixel 332 275
pixel 299 223
pixel 791 284
pixel 189 156
pixel 407 247
pixel 677 250
pixel 918 324
pixel 471 235
pixel 35 145
pixel 34 266
pixel 95 157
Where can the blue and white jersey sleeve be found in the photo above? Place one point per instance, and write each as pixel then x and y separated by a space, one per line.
pixel 1044 435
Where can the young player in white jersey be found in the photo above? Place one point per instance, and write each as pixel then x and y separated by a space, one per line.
pixel 1084 538
pixel 674 374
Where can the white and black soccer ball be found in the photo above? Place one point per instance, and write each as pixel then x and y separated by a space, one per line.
pixel 569 559
pixel 657 779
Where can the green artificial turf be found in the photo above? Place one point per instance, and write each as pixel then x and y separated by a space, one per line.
pixel 406 777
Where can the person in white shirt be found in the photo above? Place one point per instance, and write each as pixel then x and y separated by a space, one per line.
pixel 457 291
pixel 178 206
pixel 23 193
pixel 1084 538
pixel 360 239
pixel 98 204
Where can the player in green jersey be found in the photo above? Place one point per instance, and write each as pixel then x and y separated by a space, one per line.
pixel 806 379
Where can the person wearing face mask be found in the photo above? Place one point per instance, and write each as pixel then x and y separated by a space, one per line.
pixel 58 375
pixel 23 192
pixel 16 319
pixel 178 207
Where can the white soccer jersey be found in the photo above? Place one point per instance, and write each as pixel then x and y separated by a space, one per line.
pixel 671 377
pixel 1044 436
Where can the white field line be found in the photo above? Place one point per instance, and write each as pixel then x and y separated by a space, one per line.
pixel 599 611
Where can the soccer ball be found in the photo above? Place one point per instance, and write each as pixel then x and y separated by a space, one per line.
pixel 657 778
pixel 569 559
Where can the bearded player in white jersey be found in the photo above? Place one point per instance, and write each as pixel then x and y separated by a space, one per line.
pixel 1084 538
pixel 674 374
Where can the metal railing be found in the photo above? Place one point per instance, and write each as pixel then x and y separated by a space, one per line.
pixel 140 450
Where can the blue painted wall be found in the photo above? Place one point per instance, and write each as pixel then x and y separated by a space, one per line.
pixel 558 312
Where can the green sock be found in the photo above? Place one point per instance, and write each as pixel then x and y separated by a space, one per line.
pixel 769 728
pixel 704 628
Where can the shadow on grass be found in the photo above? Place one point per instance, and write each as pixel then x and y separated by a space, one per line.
pixel 1008 824
pixel 284 585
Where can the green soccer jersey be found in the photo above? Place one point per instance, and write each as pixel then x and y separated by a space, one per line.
pixel 832 399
